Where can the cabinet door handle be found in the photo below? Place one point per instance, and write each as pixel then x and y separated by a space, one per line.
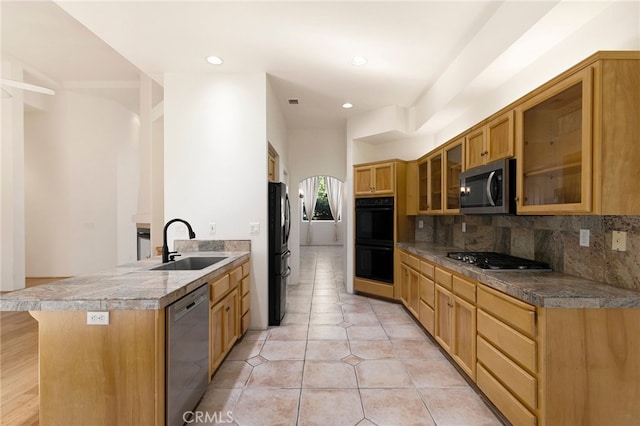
pixel 228 308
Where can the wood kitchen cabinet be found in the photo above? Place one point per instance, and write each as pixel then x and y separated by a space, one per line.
pixel 452 166
pixel 576 146
pixel 491 141
pixel 410 282
pixel 430 200
pixel 374 179
pixel 228 307
pixel 455 317
pixel 537 365
pixel 554 147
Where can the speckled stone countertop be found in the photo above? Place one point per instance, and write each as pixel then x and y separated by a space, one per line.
pixel 545 289
pixel 127 287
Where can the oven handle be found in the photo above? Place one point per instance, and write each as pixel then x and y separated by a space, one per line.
pixel 491 200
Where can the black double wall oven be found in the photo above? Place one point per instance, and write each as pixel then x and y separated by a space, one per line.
pixel 374 226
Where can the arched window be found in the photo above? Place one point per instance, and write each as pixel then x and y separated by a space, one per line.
pixel 322 210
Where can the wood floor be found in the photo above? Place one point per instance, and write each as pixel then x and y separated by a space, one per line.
pixel 19 397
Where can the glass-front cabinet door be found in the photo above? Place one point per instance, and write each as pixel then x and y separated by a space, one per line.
pixel 453 162
pixel 423 189
pixel 435 182
pixel 554 148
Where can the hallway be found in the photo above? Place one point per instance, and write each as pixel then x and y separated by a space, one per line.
pixel 340 360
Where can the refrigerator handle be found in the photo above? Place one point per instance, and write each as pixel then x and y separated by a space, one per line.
pixel 287 217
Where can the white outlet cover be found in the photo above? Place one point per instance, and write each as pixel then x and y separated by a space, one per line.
pixel 97 318
pixel 212 227
pixel 464 227
pixel 619 241
pixel 584 237
pixel 420 224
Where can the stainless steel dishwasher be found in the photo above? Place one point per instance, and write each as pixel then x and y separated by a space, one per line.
pixel 187 354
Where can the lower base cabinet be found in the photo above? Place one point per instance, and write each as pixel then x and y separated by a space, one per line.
pixel 228 313
pixel 538 366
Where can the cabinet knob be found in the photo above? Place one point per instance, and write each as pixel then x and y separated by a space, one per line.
pixel 228 308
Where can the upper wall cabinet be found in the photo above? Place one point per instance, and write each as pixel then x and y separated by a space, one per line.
pixel 376 179
pixel 490 142
pixel 577 141
pixel 554 148
pixel 452 167
pixel 430 183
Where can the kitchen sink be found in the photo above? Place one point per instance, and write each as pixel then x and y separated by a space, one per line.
pixel 188 264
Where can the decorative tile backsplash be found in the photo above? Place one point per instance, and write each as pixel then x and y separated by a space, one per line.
pixel 552 239
pixel 189 246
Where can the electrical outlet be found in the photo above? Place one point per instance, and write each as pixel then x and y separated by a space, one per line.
pixel 464 227
pixel 584 238
pixel 254 228
pixel 97 318
pixel 212 228
pixel 420 224
pixel 619 241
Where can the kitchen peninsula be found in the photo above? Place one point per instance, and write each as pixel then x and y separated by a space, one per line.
pixel 115 373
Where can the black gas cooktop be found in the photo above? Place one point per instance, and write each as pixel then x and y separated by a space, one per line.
pixel 498 261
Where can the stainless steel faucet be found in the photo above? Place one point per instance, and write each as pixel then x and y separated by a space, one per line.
pixel 165 249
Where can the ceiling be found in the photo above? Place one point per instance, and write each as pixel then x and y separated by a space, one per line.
pixel 422 55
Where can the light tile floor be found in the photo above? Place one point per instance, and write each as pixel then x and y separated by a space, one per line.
pixel 339 360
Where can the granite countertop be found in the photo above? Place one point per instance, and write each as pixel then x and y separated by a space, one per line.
pixel 545 289
pixel 127 287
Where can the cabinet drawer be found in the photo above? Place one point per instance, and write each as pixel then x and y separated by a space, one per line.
pixel 510 310
pixel 414 262
pixel 404 257
pixel 245 303
pixel 236 276
pixel 515 378
pixel 245 285
pixel 219 287
pixel 426 269
pixel 517 346
pixel 508 404
pixel 427 317
pixel 443 278
pixel 245 269
pixel 465 289
pixel 427 289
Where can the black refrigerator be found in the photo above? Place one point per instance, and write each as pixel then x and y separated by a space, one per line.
pixel 279 270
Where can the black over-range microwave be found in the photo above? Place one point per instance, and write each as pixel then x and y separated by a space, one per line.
pixel 489 189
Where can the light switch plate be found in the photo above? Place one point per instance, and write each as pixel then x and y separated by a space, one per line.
pixel 420 224
pixel 254 228
pixel 584 237
pixel 619 241
pixel 212 228
pixel 464 227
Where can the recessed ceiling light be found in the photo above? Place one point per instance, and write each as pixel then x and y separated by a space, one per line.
pixel 214 60
pixel 347 105
pixel 359 61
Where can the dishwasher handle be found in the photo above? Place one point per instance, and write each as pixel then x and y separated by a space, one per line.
pixel 193 300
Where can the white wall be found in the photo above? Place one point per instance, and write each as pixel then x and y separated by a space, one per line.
pixel 12 223
pixel 313 152
pixel 215 165
pixel 81 172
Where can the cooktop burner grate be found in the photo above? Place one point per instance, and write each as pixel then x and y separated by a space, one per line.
pixel 498 261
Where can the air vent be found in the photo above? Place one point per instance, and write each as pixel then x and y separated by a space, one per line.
pixel 293 102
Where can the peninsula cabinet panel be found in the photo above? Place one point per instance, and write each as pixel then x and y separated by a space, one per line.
pixel 101 375
pixel 590 366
